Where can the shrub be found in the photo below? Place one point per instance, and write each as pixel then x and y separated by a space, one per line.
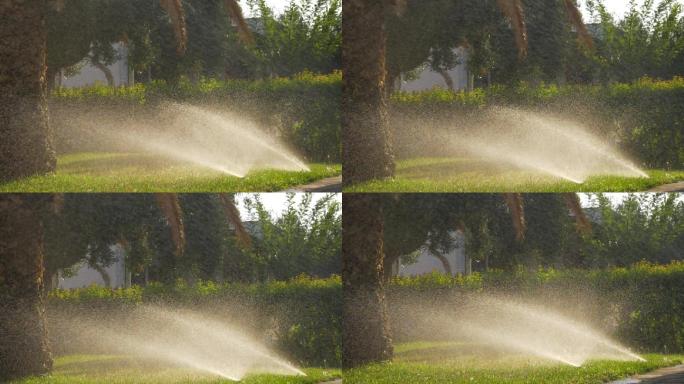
pixel 645 118
pixel 642 305
pixel 303 314
pixel 304 109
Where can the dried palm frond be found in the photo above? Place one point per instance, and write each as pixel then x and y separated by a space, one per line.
pixel 177 15
pixel 513 10
pixel 233 216
pixel 170 207
pixel 235 13
pixel 514 201
pixel 582 222
pixel 577 21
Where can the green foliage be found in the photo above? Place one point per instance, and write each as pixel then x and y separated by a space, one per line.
pixel 306 37
pixel 428 31
pixel 304 109
pixel 645 226
pixel 306 237
pixel 643 302
pixel 642 227
pixel 647 41
pixel 304 314
pixel 91 224
pixel 644 118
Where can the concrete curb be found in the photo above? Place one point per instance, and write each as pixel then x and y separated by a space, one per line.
pixel 670 375
pixel 676 187
pixel 331 184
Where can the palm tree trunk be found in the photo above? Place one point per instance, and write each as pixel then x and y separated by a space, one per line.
pixel 24 348
pixel 366 328
pixel 26 145
pixel 367 148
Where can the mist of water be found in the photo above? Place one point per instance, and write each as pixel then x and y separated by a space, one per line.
pixel 188 339
pixel 507 326
pixel 544 143
pixel 220 140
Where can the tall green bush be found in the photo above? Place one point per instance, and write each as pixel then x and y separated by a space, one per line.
pixel 642 306
pixel 303 315
pixel 304 109
pixel 644 118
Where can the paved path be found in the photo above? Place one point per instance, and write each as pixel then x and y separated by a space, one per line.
pixel 671 375
pixel 337 381
pixel 331 184
pixel 676 187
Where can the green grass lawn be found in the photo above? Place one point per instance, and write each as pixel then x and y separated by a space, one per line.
pixel 464 175
pixel 112 172
pixel 91 369
pixel 442 363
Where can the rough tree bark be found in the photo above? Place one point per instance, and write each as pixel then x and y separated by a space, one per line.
pixel 367 148
pixel 24 348
pixel 366 331
pixel 25 137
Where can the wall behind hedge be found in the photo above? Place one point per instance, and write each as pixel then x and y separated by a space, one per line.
pixel 304 110
pixel 642 306
pixel 301 318
pixel 645 119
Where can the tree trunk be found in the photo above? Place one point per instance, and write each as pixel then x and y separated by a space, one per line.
pixel 447 79
pixel 388 260
pixel 103 273
pixel 445 263
pixel 26 144
pixel 24 347
pixel 367 148
pixel 365 328
pixel 103 68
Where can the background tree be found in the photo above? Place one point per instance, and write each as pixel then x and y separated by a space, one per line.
pixel 91 225
pixel 647 41
pixel 306 37
pixel 306 237
pixel 641 227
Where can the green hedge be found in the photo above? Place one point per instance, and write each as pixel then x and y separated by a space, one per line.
pixel 304 314
pixel 645 118
pixel 642 306
pixel 305 108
